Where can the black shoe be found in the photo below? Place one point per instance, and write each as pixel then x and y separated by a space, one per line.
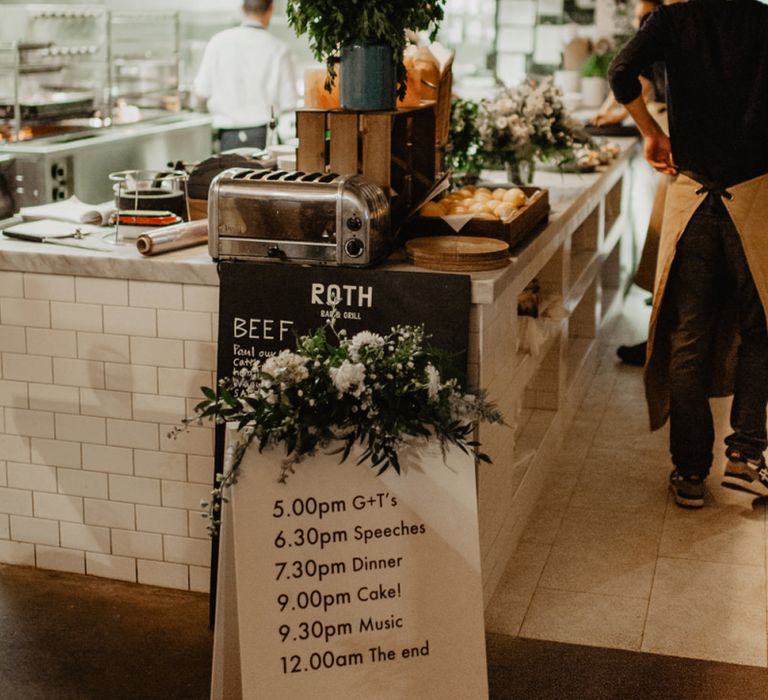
pixel 748 475
pixel 687 490
pixel 633 354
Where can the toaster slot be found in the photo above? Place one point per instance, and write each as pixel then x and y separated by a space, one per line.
pixel 276 175
pixel 328 177
pixel 293 176
pixel 250 174
pixel 311 177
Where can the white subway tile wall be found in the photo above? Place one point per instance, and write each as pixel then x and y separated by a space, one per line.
pixel 94 373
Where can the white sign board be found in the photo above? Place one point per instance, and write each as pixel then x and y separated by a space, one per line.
pixel 342 584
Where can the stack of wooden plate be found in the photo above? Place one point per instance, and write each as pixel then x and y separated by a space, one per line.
pixel 458 253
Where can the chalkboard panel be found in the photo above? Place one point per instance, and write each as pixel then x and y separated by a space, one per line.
pixel 263 308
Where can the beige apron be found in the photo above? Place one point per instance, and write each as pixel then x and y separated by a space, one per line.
pixel 748 209
pixel 646 268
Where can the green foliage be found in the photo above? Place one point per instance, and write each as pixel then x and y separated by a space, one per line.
pixel 596 65
pixel 466 153
pixel 379 392
pixel 332 24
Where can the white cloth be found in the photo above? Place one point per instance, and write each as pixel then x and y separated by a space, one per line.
pixel 246 71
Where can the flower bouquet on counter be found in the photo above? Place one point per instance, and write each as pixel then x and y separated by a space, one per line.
pixel 526 123
pixel 381 391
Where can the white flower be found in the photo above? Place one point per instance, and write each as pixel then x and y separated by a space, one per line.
pixel 361 340
pixel 501 123
pixel 288 367
pixel 433 382
pixel 349 377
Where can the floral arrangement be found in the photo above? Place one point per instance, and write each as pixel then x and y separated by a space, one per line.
pixel 380 391
pixel 526 123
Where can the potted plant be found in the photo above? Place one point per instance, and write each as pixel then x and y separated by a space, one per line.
pixel 523 124
pixel 368 40
pixel 594 74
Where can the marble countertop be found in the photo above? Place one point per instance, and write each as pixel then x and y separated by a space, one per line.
pixel 190 265
pixel 572 198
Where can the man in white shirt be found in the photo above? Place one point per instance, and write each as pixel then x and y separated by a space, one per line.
pixel 245 76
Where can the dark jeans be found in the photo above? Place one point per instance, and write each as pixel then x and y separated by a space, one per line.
pixel 255 137
pixel 709 264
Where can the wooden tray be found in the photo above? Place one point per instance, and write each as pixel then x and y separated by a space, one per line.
pixel 529 218
pixel 458 253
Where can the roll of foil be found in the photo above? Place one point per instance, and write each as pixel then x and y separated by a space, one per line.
pixel 163 240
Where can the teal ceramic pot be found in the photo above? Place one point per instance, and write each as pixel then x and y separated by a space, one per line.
pixel 367 78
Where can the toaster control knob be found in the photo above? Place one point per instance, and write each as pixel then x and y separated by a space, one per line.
pixel 354 247
pixel 274 252
pixel 354 223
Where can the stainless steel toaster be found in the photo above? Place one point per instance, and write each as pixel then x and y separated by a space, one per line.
pixel 316 218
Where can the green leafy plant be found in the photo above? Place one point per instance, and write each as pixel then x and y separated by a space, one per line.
pixel 597 63
pixel 333 24
pixel 466 152
pixel 380 392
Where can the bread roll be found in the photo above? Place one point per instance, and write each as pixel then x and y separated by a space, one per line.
pixel 499 193
pixel 516 197
pixel 505 210
pixel 432 209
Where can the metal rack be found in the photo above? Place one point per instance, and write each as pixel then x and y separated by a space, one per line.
pixel 144 58
pixel 98 56
pixel 56 71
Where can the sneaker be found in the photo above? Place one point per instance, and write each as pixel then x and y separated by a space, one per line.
pixel 633 354
pixel 747 475
pixel 687 490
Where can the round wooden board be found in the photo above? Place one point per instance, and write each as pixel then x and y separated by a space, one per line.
pixel 458 253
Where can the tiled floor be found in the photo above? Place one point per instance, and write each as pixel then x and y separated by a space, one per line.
pixel 609 560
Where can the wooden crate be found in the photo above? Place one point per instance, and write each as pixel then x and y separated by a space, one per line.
pixel 394 149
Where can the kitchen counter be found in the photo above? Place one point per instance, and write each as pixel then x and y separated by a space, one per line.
pixel 103 353
pixel 572 197
pixel 189 265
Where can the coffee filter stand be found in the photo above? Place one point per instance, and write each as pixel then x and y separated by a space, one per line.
pixel 128 186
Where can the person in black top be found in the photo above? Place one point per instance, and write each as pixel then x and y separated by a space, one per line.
pixel 654 90
pixel 652 80
pixel 713 248
pixel 716 58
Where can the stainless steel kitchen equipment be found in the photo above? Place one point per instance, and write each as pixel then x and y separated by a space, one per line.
pixel 7 206
pixel 56 167
pixel 282 216
pixel 53 66
pixel 155 190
